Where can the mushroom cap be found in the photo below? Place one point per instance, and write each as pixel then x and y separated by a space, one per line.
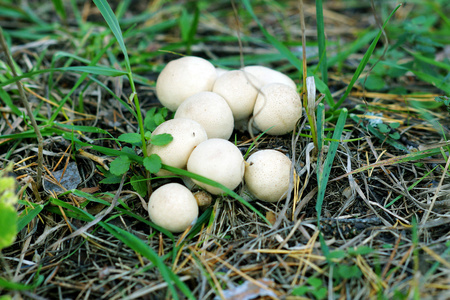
pixel 238 88
pixel 267 76
pixel 218 160
pixel 267 175
pixel 277 105
pixel 182 78
pixel 173 207
pixel 211 111
pixel 186 135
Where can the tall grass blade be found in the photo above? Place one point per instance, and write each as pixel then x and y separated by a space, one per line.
pixel 29 215
pixel 324 169
pixel 364 62
pixel 112 22
pixel 274 41
pixel 14 286
pixel 59 7
pixel 321 41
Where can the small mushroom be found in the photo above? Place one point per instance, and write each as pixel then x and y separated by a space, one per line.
pixel 182 78
pixel 278 106
pixel 218 160
pixel 239 90
pixel 267 76
pixel 211 111
pixel 267 175
pixel 204 199
pixel 186 135
pixel 173 207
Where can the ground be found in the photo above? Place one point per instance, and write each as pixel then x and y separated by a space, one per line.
pixel 368 216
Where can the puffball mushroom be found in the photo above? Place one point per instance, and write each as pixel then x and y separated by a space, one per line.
pixel 277 105
pixel 182 78
pixel 238 88
pixel 267 76
pixel 173 207
pixel 186 135
pixel 218 160
pixel 267 175
pixel 211 111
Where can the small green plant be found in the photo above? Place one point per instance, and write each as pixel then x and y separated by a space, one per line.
pixel 445 100
pixel 8 215
pixel 389 129
pixel 314 286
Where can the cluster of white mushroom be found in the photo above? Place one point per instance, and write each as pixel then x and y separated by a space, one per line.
pixel 208 102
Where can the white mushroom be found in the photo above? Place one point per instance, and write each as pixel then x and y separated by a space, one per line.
pixel 277 105
pixel 267 175
pixel 182 78
pixel 239 90
pixel 211 111
pixel 218 160
pixel 173 207
pixel 267 76
pixel 186 135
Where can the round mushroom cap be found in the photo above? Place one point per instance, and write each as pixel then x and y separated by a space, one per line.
pixel 267 175
pixel 173 207
pixel 238 88
pixel 182 78
pixel 277 105
pixel 218 160
pixel 186 135
pixel 211 111
pixel 267 76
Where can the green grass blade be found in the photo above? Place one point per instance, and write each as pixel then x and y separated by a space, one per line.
pixel 353 47
pixel 29 215
pixel 363 62
pixel 193 28
pixel 430 61
pixel 59 7
pixel 83 128
pixel 324 170
pixel 79 82
pixel 105 150
pixel 323 88
pixel 113 24
pixel 274 41
pixel 321 41
pixel 97 70
pixel 14 286
pixel 124 103
pixel 4 96
pixel 106 71
pixel 439 82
